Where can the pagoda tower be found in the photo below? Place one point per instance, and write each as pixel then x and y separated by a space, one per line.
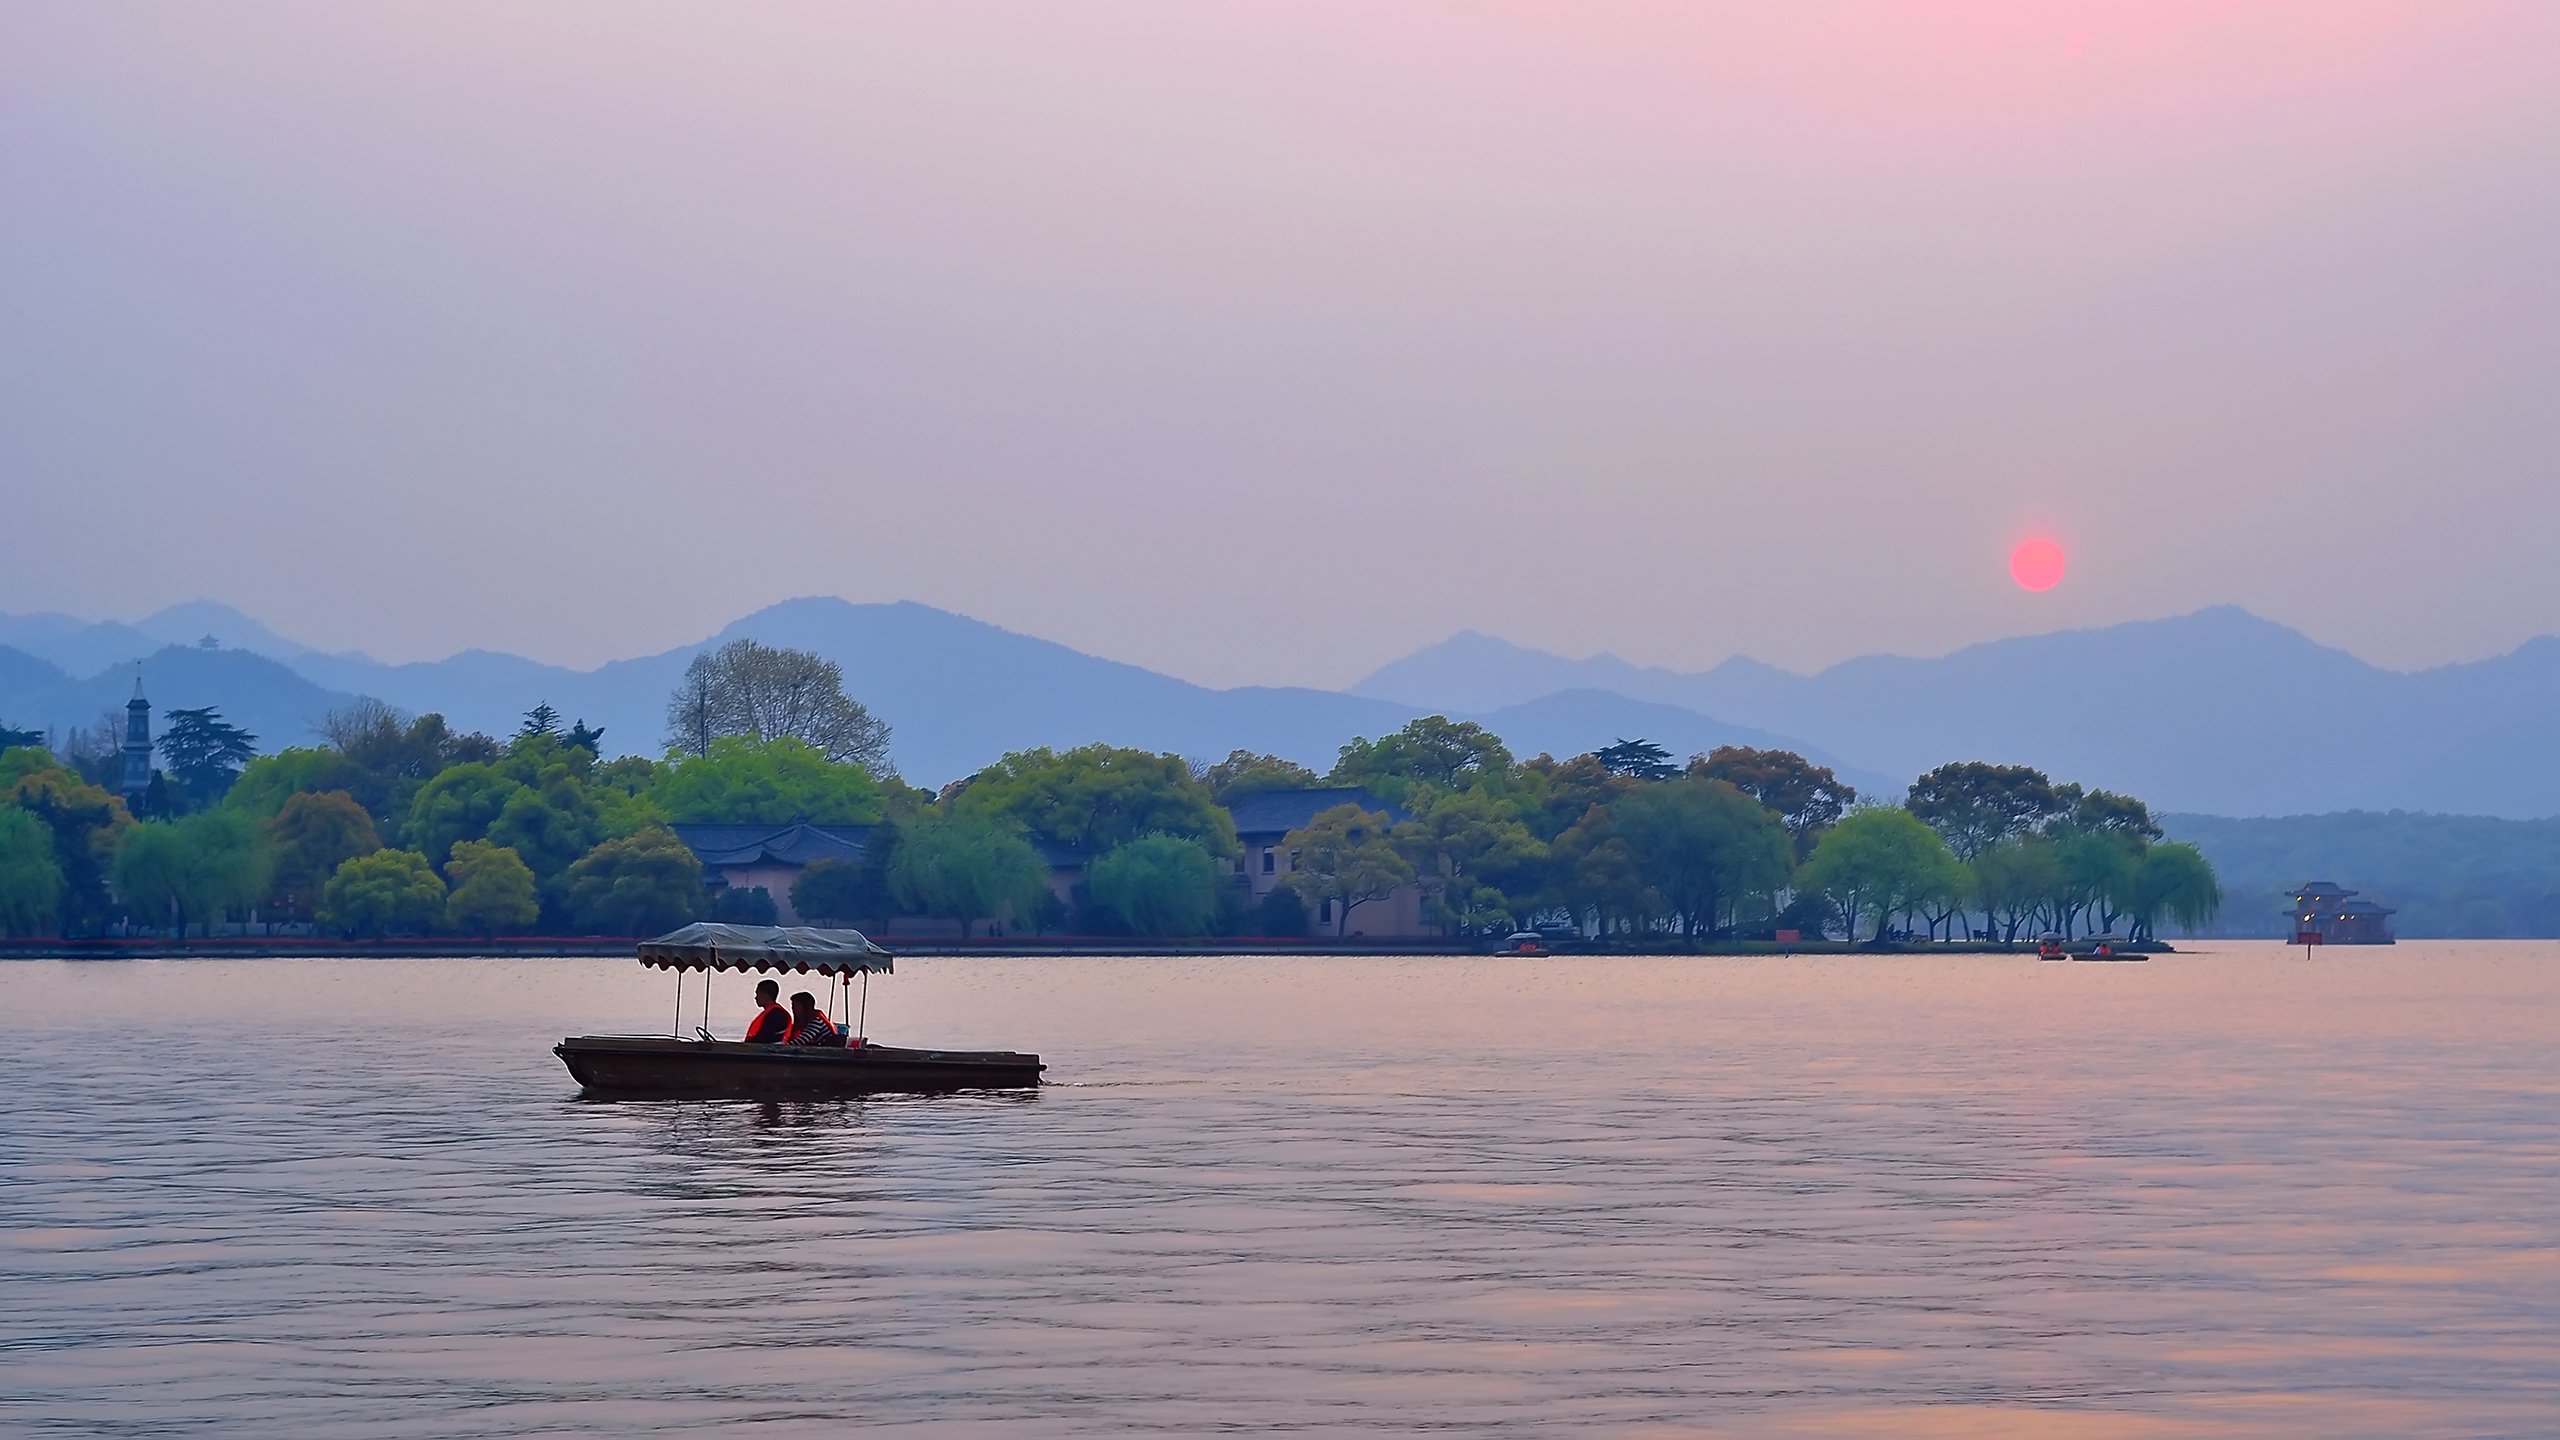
pixel 137 746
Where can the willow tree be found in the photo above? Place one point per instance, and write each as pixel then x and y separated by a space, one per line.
pixel 1882 863
pixel 1158 885
pixel 30 877
pixel 966 868
pixel 2174 881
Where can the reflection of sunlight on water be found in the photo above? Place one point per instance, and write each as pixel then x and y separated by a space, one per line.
pixel 2238 1195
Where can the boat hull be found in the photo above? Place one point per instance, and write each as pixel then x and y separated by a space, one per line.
pixel 631 1065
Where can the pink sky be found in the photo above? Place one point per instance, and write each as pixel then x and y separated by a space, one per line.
pixel 1264 343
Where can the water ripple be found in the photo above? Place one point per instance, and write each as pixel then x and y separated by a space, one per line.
pixel 2234 1194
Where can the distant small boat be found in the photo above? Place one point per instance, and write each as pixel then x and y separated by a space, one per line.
pixel 1524 942
pixel 2103 947
pixel 2052 946
pixel 632 1066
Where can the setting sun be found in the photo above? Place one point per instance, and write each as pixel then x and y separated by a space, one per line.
pixel 2037 563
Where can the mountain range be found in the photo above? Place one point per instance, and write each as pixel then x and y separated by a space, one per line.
pixel 957 692
pixel 2218 712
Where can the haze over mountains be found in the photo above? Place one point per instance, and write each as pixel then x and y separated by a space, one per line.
pixel 2217 713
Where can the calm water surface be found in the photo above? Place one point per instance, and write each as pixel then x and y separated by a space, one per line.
pixel 2241 1193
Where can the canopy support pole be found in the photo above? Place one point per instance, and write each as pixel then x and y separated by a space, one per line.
pixel 706 998
pixel 678 1023
pixel 865 1017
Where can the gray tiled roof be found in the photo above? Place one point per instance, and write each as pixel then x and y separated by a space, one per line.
pixel 794 844
pixel 721 846
pixel 1277 812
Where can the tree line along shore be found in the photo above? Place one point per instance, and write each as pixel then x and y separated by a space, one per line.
pixel 397 826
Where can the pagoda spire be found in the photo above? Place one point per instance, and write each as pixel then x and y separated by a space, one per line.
pixel 137 744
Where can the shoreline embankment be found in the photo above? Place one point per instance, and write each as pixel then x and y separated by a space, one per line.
pixel 1012 947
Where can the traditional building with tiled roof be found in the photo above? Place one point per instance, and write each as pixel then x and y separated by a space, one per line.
pixel 1263 822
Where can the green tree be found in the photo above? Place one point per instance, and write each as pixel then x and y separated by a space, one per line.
pixel 2012 880
pixel 12 738
pixel 88 826
pixel 1558 794
pixel 310 837
pixel 1158 885
pixel 393 756
pixel 1244 774
pixel 541 720
pixel 840 892
pixel 640 884
pixel 549 824
pixel 1974 806
pixel 1882 863
pixel 2098 868
pixel 268 781
pixel 1345 858
pixel 1434 750
pixel 184 871
pixel 764 693
pixel 19 762
pixel 1807 798
pixel 1280 914
pixel 744 905
pixel 205 752
pixel 1636 759
pixel 1477 863
pixel 2105 812
pixel 2174 882
pixel 1702 844
pixel 493 890
pixel 30 877
pixel 867 894
pixel 765 782
pixel 1099 797
pixel 966 867
pixel 458 803
pixel 389 892
pixel 583 736
pixel 1593 871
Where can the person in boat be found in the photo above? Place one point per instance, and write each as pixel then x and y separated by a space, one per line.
pixel 809 1024
pixel 772 1022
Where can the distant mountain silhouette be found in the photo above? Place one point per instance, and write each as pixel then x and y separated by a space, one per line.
pixel 24 674
pixel 192 621
pixel 263 696
pixel 2215 713
pixel 957 693
pixel 2218 712
pixel 75 647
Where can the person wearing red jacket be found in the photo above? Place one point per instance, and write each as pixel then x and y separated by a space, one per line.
pixel 772 1022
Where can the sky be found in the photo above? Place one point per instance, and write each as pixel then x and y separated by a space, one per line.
pixel 1264 343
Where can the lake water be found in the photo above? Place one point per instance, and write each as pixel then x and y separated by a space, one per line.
pixel 2237 1193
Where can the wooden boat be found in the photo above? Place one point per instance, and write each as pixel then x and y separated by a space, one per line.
pixel 657 1065
pixel 2100 947
pixel 671 1065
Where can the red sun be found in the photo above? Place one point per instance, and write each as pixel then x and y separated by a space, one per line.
pixel 2037 564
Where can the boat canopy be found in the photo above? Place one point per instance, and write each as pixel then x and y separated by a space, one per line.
pixel 709 946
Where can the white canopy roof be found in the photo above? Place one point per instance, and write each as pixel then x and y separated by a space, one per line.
pixel 708 946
